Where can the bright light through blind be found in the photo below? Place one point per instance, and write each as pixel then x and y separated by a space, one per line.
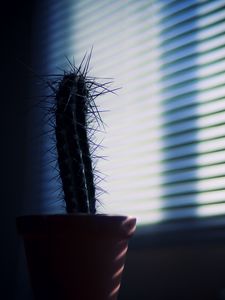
pixel 124 40
pixel 165 138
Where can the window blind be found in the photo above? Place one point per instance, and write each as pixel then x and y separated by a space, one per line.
pixel 165 135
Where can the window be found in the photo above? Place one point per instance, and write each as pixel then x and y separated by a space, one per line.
pixel 165 139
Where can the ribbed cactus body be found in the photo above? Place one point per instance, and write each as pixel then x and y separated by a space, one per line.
pixel 75 165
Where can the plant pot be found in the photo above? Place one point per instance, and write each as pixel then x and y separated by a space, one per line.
pixel 75 256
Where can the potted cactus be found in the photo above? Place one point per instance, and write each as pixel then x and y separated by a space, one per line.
pixel 80 254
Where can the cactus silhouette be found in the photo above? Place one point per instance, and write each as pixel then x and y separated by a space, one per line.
pixel 72 144
pixel 76 119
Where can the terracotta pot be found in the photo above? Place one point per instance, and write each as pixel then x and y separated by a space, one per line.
pixel 76 257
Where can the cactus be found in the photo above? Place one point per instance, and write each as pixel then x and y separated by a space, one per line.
pixel 72 144
pixel 75 118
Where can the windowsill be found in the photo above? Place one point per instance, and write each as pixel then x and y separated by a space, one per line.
pixel 193 231
pixel 179 260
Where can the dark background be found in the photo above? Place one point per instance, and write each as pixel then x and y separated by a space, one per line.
pixel 17 22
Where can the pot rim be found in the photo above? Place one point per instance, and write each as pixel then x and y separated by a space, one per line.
pixel 76 224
